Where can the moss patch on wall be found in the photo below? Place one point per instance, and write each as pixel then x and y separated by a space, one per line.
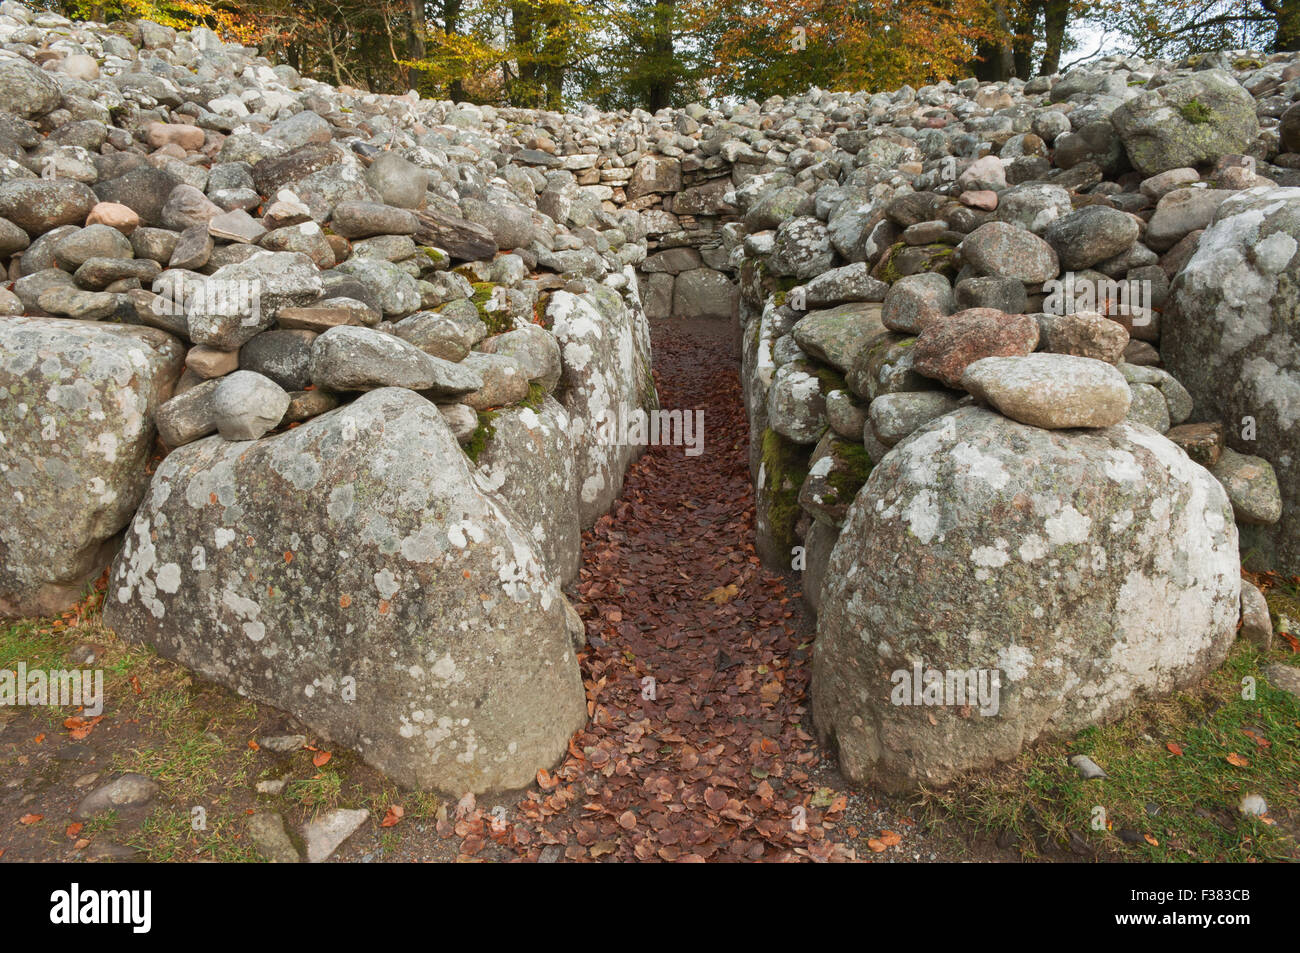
pixel 850 473
pixel 498 322
pixel 483 433
pixel 785 467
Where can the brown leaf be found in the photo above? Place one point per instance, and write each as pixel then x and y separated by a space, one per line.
pixel 1237 760
pixel 79 727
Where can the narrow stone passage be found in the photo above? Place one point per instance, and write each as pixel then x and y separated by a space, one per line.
pixel 697 669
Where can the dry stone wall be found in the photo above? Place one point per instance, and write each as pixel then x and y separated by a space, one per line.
pixel 1021 369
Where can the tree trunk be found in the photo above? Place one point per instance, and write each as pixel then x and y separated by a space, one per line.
pixel 1287 38
pixel 1056 16
pixel 451 27
pixel 524 28
pixel 660 90
pixel 1022 45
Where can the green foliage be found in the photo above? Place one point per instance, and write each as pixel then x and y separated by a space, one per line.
pixel 485 431
pixel 1195 111
pixel 536 396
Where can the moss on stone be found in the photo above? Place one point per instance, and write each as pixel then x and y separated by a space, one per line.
pixel 1195 112
pixel 785 467
pixel 828 378
pixel 852 467
pixel 483 433
pixel 1283 605
pixel 497 322
pixel 889 272
pixel 435 255
pixel 649 393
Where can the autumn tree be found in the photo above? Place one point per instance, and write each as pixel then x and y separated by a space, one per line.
pixel 864 44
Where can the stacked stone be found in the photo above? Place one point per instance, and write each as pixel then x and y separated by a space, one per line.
pixel 955 322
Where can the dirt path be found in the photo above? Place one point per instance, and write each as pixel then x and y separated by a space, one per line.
pixel 697 672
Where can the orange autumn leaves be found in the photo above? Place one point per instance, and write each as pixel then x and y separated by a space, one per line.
pixel 872 45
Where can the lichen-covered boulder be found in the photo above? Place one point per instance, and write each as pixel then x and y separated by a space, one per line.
pixel 77 403
pixel 1231 337
pixel 797 402
pixel 1186 122
pixel 1082 570
pixel 351 573
pixel 527 460
pixel 605 381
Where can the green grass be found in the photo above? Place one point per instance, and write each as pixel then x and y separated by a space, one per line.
pixel 168 835
pixel 1041 799
pixel 192 737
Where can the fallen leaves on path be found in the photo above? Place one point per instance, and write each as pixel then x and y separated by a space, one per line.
pixel 696 673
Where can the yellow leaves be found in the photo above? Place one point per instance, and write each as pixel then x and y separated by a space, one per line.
pixel 875 44
pixel 723 594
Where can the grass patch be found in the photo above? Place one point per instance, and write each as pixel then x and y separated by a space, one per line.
pixel 191 736
pixel 1156 805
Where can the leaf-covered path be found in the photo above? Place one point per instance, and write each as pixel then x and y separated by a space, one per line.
pixel 697 668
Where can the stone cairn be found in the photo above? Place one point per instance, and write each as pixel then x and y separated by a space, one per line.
pixel 322 374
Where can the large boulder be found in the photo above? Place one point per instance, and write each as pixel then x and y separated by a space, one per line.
pixel 350 572
pixel 1231 337
pixel 1187 122
pixel 26 89
pixel 39 205
pixel 77 403
pixel 703 293
pixel 1083 570
pixel 606 381
pixel 527 460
